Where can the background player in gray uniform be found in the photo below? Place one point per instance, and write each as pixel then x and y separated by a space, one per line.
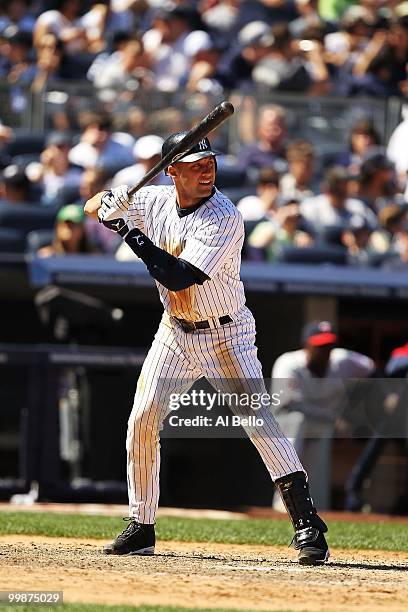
pixel 190 237
pixel 313 378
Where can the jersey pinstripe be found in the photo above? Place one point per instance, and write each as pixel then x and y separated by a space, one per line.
pixel 210 238
pixel 177 359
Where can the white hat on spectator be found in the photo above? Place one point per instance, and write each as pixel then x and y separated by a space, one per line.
pixel 147 147
pixel 355 14
pixel 197 41
pixel 256 34
pixel 401 10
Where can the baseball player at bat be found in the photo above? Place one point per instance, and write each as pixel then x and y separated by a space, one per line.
pixel 190 237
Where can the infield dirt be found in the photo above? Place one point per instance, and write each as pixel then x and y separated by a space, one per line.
pixel 206 576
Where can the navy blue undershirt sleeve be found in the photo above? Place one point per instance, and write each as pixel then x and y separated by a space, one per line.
pixel 172 272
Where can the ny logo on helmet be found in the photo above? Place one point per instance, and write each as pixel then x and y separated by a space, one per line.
pixel 202 145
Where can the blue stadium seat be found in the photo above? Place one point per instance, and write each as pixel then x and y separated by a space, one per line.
pixel 331 234
pixel 24 143
pixel 11 241
pixel 37 239
pixel 230 176
pixel 26 217
pixel 67 195
pixel 318 254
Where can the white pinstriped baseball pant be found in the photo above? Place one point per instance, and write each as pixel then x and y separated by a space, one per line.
pixel 175 361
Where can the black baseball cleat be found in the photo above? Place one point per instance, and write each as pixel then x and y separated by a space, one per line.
pixel 136 539
pixel 312 546
pixel 309 527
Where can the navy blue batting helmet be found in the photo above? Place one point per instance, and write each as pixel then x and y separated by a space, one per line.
pixel 200 150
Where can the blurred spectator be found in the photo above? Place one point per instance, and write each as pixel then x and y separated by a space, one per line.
pixel 381 67
pixel 15 188
pixel 19 66
pixel 6 135
pixel 333 207
pixel 54 172
pixel 220 15
pixel 292 65
pixel 400 261
pixel 202 76
pixel 51 63
pixel 345 46
pixel 269 146
pixel 283 230
pixel 171 44
pixel 364 136
pixel 308 18
pixel 98 147
pixel 147 152
pixel 103 59
pixel 270 11
pixel 297 183
pixel 69 234
pixel 313 399
pixel 17 13
pixel 263 204
pixel 235 68
pixel 103 21
pixel 94 180
pixel 168 120
pixel 392 218
pixel 397 152
pixel 356 238
pixel 63 22
pixel 124 70
pixel 377 180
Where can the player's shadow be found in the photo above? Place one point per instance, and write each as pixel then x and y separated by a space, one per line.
pixel 338 564
pixel 211 558
pixel 369 566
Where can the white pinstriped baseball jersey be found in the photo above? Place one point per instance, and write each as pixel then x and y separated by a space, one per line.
pixel 210 238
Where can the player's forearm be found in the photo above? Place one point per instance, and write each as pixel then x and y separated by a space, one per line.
pixel 171 272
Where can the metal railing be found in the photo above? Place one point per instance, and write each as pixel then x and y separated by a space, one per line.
pixel 325 121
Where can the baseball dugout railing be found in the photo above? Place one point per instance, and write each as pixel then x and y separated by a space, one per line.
pixel 324 121
pixel 50 417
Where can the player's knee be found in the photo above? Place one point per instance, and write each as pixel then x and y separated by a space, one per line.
pixel 142 421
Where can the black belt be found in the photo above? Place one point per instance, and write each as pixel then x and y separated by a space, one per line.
pixel 190 326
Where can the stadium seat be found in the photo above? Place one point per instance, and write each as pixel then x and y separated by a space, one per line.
pixel 37 239
pixel 230 176
pixel 23 159
pixel 26 217
pixel 235 194
pixel 319 254
pixel 376 260
pixel 331 234
pixel 24 143
pixel 11 241
pixel 67 195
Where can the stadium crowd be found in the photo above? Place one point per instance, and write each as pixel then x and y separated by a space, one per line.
pixel 297 203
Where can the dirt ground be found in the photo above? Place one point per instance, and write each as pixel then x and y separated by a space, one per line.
pixel 206 575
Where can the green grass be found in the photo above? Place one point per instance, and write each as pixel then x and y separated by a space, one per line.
pixel 372 536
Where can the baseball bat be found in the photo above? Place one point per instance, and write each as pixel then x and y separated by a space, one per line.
pixel 217 116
